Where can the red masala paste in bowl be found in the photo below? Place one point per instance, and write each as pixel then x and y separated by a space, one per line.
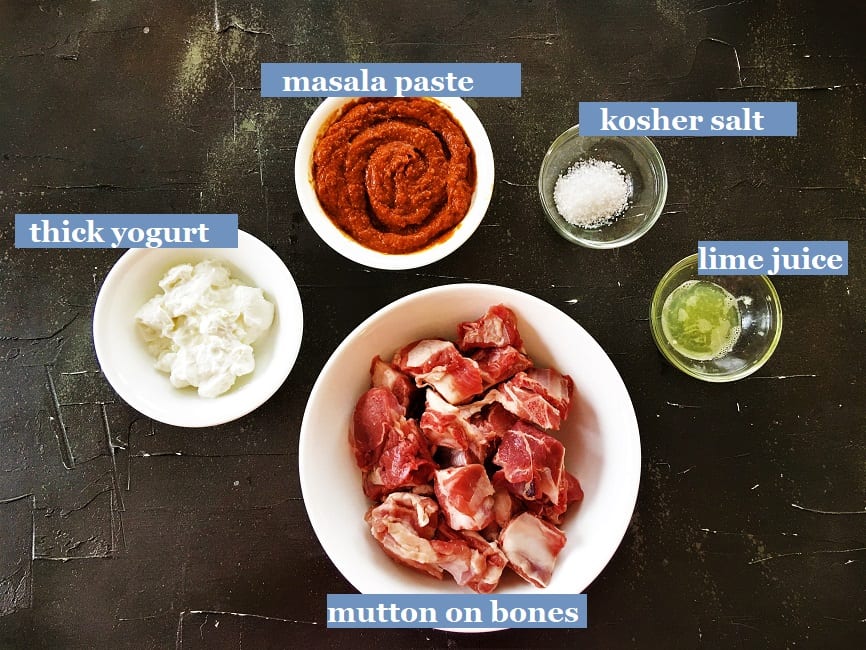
pixel 394 174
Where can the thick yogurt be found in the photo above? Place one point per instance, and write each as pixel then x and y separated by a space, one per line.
pixel 201 329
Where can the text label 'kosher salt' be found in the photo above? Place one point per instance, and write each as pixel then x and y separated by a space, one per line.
pixel 688 118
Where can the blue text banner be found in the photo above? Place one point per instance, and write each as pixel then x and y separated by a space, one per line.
pixel 457 610
pixel 773 257
pixel 126 231
pixel 390 79
pixel 688 118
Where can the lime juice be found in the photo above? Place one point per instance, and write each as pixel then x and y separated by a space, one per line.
pixel 701 320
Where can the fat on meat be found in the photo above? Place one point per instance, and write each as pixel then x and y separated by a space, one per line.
pixel 541 396
pixel 532 462
pixel 505 504
pixel 492 422
pixel 465 496
pixel 457 428
pixel 496 329
pixel 437 363
pixel 470 559
pixel 404 525
pixel 387 375
pixel 569 492
pixel 532 546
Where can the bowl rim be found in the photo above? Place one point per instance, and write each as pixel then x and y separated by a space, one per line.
pixel 660 178
pixel 659 338
pixel 631 465
pixel 324 114
pixel 285 352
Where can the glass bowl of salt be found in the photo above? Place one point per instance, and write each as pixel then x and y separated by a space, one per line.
pixel 600 191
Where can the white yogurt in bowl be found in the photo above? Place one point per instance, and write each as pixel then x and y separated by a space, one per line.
pixel 202 327
pixel 128 364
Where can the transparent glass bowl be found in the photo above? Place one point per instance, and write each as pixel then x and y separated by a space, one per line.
pixel 760 322
pixel 637 155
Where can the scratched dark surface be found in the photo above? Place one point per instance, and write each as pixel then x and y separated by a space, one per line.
pixel 118 532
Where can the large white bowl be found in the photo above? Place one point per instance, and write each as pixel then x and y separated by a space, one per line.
pixel 600 436
pixel 128 366
pixel 341 242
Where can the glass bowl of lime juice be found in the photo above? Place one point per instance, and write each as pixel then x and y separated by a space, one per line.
pixel 715 327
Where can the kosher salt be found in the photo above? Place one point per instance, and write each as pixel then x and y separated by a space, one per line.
pixel 592 193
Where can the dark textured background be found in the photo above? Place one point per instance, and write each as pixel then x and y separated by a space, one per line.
pixel 116 531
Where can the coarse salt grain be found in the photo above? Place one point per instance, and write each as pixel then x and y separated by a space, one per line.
pixel 591 193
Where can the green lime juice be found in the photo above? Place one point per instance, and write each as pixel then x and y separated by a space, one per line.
pixel 701 320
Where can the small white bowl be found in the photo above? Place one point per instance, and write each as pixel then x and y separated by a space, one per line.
pixel 600 435
pixel 341 242
pixel 128 366
pixel 637 156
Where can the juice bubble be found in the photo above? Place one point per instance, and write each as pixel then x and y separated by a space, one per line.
pixel 701 320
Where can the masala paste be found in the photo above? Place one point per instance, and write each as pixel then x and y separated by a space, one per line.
pixel 394 174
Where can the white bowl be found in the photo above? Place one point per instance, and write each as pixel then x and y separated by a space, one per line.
pixel 602 444
pixel 341 242
pixel 128 366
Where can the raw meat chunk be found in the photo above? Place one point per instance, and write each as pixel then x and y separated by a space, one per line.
pixel 376 412
pixel 496 329
pixel 540 396
pixel 573 490
pixel 569 492
pixel 446 425
pixel 439 364
pixel 408 528
pixel 387 375
pixel 498 364
pixel 404 523
pixel 470 559
pixel 492 422
pixel 390 449
pixel 532 546
pixel 465 496
pixel 532 462
pixel 405 462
